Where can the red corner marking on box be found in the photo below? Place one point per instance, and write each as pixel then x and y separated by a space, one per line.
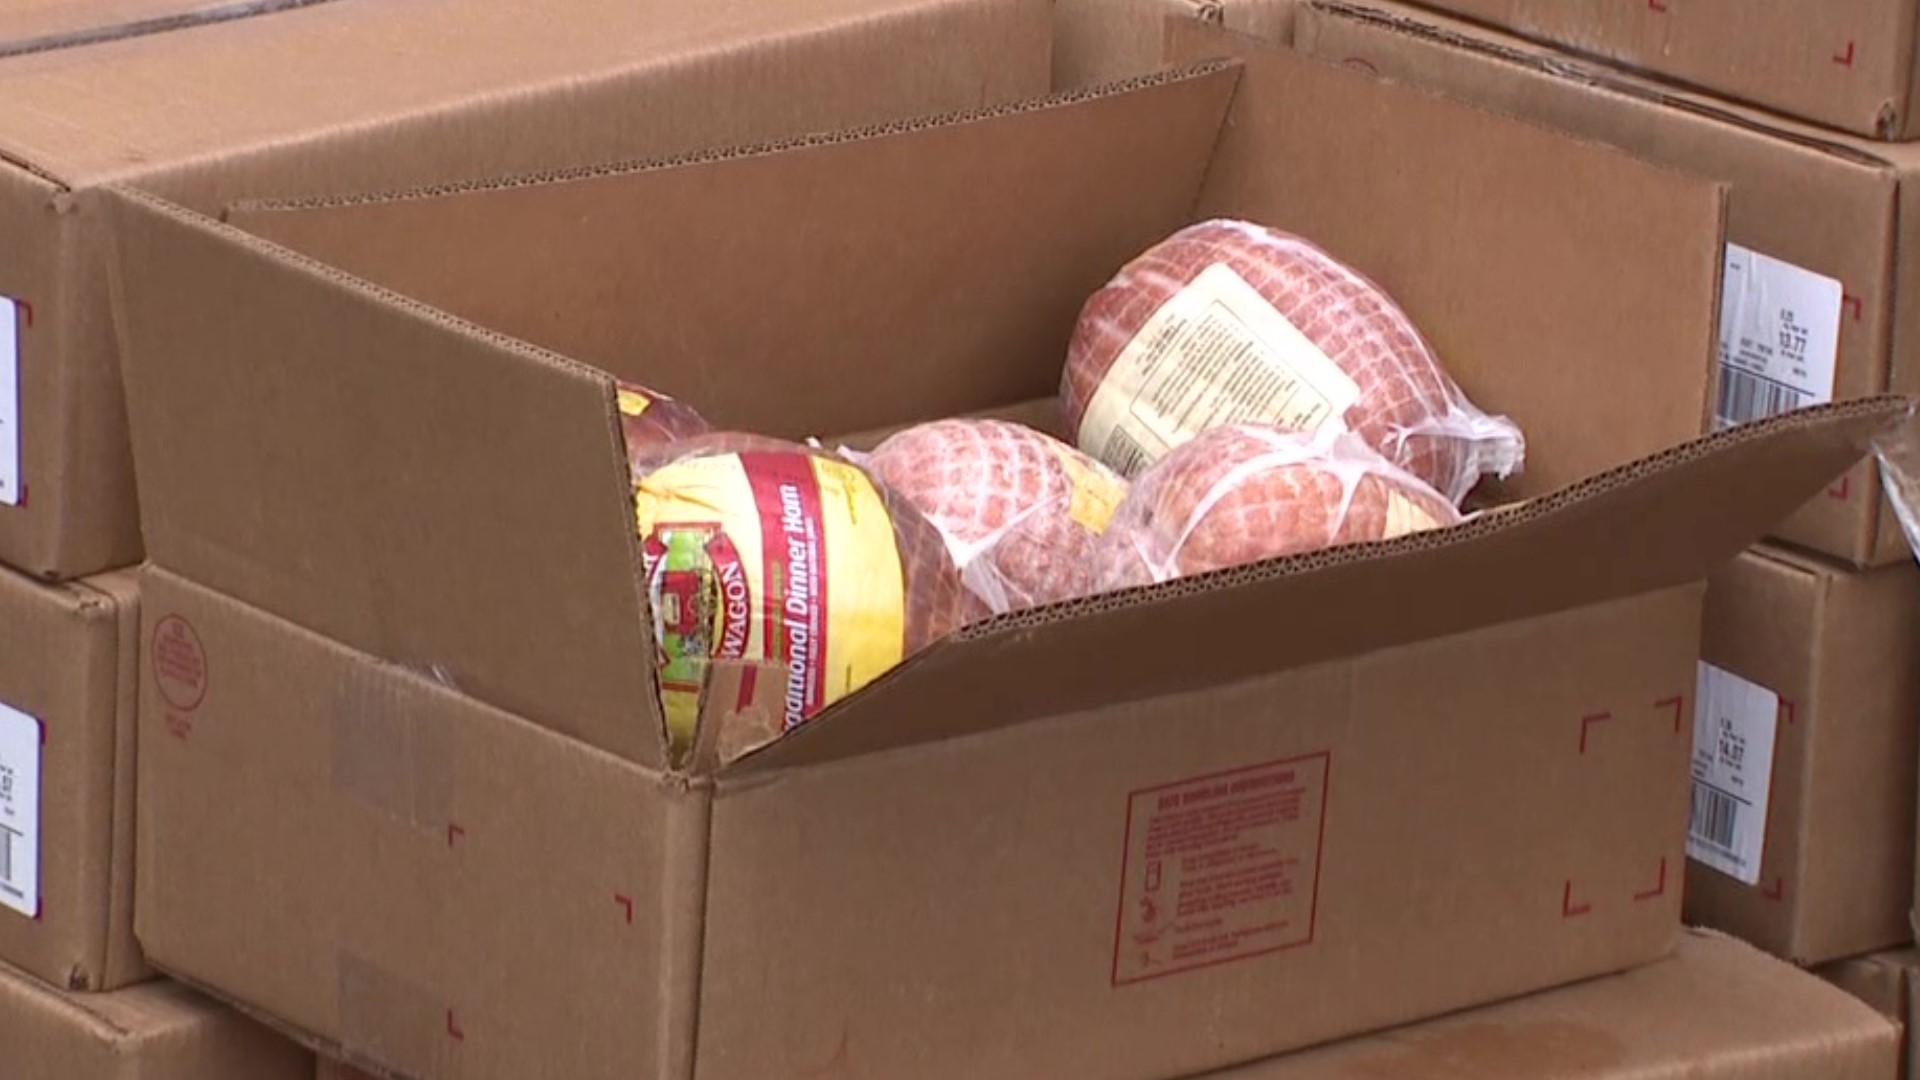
pixel 1788 711
pixel 453 1027
pixel 26 313
pixel 1778 891
pixel 1843 490
pixel 1569 909
pixel 1678 703
pixel 1659 6
pixel 454 833
pixel 748 676
pixel 1587 722
pixel 1845 59
pixel 1859 309
pixel 1659 889
pixel 626 903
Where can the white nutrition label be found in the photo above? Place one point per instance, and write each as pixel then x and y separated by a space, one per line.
pixel 19 811
pixel 1779 337
pixel 10 479
pixel 1215 353
pixel 1733 732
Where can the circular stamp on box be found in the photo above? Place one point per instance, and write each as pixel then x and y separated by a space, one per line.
pixel 179 663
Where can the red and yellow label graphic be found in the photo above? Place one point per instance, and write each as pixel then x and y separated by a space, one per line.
pixel 784 557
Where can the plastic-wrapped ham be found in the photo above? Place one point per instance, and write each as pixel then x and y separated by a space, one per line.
pixel 651 420
pixel 1230 322
pixel 761 550
pixel 1022 511
pixel 1247 492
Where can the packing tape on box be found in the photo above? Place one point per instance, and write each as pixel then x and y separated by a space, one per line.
pixel 390 1021
pixel 389 748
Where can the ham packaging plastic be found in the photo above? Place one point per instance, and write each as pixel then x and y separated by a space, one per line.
pixel 1022 512
pixel 1231 322
pixel 651 420
pixel 1247 492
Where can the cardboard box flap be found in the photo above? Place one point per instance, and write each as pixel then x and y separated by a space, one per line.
pixel 1012 217
pixel 36 26
pixel 1663 521
pixel 1519 259
pixel 431 493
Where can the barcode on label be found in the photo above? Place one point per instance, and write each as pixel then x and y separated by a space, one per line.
pixel 1715 813
pixel 1122 454
pixel 1746 397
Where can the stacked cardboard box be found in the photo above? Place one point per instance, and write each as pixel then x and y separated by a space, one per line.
pixel 208 101
pixel 1805 745
pixel 1715 1010
pixel 154 1031
pixel 1845 63
pixel 1456 765
pixel 1890 982
pixel 1810 694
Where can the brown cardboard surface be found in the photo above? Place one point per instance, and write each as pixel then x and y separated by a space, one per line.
pixel 1841 207
pixel 154 1031
pixel 1845 63
pixel 41 25
pixel 350 94
pixel 311 775
pixel 1715 1010
pixel 436 723
pixel 1887 982
pixel 1098 41
pixel 68 661
pixel 1842 650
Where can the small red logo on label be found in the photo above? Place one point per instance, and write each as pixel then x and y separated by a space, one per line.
pixel 179 663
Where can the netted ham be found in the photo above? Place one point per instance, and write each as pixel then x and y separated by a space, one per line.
pixel 759 550
pixel 1230 322
pixel 651 420
pixel 1244 493
pixel 1021 511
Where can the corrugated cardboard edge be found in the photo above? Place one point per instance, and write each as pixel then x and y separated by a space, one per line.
pixel 122 963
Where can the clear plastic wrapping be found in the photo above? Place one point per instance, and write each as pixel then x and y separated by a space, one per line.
pixel 1899 457
pixel 759 549
pixel 651 420
pixel 1248 492
pixel 1232 322
pixel 1022 512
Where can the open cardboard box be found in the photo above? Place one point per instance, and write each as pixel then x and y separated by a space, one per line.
pixel 404 780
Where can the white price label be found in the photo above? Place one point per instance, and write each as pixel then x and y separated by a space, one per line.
pixel 19 811
pixel 1779 337
pixel 1733 731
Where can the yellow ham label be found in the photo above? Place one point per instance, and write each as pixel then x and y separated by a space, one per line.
pixel 632 402
pixel 1406 516
pixel 1096 494
pixel 782 557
